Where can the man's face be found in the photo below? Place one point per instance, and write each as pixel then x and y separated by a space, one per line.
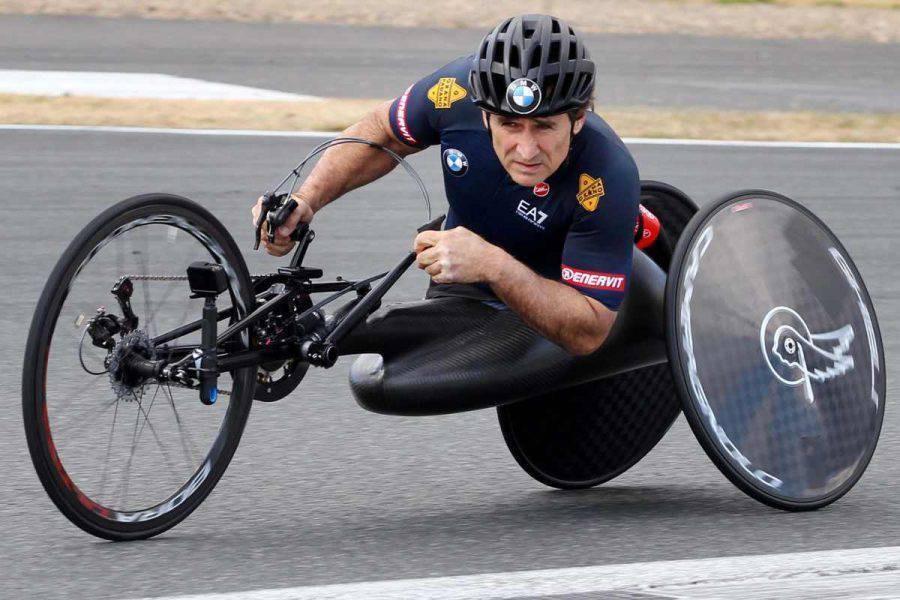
pixel 531 149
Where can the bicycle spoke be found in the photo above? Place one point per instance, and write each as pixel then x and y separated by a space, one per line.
pixel 78 423
pixel 108 451
pixel 187 444
pixel 144 267
pixel 162 449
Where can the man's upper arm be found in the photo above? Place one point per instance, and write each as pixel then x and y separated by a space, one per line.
pixel 415 117
pixel 598 250
pixel 382 117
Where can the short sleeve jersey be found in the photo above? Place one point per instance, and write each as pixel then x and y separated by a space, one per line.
pixel 576 227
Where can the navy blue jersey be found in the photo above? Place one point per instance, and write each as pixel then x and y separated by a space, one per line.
pixel 576 227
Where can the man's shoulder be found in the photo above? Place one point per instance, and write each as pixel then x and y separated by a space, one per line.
pixel 602 173
pixel 449 84
pixel 599 147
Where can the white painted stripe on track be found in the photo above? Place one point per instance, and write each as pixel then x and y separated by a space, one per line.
pixel 104 84
pixel 861 573
pixel 330 134
pixel 171 131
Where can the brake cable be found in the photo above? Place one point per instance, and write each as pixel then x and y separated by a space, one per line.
pixel 338 141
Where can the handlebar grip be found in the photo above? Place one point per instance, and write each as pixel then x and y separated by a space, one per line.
pixel 301 230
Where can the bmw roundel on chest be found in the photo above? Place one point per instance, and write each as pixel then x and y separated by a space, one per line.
pixel 455 162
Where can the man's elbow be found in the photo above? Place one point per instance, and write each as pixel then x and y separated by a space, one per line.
pixel 588 338
pixel 586 343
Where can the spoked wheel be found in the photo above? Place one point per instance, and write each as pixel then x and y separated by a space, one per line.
pixel 775 349
pixel 124 457
pixel 586 435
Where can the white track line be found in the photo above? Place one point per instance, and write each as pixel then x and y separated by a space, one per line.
pixel 864 573
pixel 330 134
pixel 131 85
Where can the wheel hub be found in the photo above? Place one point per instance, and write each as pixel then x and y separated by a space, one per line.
pixel 124 380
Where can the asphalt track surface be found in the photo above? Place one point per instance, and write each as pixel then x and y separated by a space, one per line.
pixel 321 491
pixel 328 60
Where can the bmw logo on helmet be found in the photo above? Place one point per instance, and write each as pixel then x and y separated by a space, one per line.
pixel 456 162
pixel 523 96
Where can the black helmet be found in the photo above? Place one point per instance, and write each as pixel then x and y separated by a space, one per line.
pixel 531 65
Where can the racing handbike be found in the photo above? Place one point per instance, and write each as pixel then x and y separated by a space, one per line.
pixel 151 340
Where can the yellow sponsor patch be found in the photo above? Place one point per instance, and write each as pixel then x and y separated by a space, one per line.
pixel 589 192
pixel 445 92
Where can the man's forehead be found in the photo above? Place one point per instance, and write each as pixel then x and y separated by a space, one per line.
pixel 537 120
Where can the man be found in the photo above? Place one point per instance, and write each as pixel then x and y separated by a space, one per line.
pixel 543 194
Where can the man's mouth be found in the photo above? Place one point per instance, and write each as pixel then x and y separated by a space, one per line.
pixel 530 167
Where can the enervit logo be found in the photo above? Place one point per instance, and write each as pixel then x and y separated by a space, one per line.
pixel 798 357
pixel 613 282
pixel 542 189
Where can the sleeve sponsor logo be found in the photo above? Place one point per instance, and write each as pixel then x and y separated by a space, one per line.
pixel 445 92
pixel 589 192
pixel 401 117
pixel 611 282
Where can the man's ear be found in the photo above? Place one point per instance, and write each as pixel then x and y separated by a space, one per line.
pixel 578 124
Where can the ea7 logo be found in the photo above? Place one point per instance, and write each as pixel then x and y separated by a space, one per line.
pixel 531 213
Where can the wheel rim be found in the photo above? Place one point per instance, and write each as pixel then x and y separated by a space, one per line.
pixel 118 454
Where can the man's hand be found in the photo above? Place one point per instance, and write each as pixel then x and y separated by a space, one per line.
pixel 456 256
pixel 283 243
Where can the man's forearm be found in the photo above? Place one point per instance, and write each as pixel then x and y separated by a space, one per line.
pixel 560 313
pixel 348 166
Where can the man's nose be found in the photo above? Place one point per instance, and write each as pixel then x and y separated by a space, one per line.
pixel 527 147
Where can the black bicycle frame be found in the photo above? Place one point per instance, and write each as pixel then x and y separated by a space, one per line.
pixel 318 347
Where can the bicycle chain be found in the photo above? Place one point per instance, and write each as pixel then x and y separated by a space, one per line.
pixel 182 277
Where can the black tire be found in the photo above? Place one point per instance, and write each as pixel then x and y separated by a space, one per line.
pixel 589 434
pixel 83 511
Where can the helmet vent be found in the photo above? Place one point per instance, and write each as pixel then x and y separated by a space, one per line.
pixel 514 57
pixel 498 52
pixel 573 49
pixel 535 62
pixel 567 83
pixel 555 26
pixel 554 52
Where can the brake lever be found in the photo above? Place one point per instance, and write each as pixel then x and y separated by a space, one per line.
pixel 279 217
pixel 269 201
